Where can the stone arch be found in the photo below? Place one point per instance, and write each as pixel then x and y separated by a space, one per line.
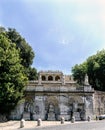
pixel 28 108
pixel 52 101
pixel 76 105
pixel 57 78
pixel 50 78
pixel 28 105
pixel 43 78
pixel 77 99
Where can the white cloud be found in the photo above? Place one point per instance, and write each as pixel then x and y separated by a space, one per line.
pixel 65 40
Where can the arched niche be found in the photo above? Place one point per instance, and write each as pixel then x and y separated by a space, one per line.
pixel 57 78
pixel 50 78
pixel 43 78
pixel 52 104
pixel 28 104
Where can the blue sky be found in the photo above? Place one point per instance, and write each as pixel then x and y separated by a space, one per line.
pixel 62 33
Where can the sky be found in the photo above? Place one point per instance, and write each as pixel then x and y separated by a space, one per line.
pixel 62 33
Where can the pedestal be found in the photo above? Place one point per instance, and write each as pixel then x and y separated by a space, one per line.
pixel 77 116
pixel 26 116
pixel 51 116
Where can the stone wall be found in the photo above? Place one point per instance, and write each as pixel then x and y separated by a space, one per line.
pixel 99 103
pixel 53 96
pixel 64 104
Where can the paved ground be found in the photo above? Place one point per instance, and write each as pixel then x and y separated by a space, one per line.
pixel 54 125
pixel 15 125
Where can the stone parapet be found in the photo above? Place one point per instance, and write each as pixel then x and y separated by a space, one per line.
pixel 58 89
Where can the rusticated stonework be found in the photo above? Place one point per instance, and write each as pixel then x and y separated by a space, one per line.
pixel 55 95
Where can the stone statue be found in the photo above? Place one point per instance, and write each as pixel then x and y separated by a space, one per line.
pixel 51 113
pixel 86 81
pixel 74 106
pixel 51 108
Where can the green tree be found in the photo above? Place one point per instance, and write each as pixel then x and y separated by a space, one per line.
pixel 12 76
pixel 96 70
pixel 26 52
pixel 79 72
pixel 32 73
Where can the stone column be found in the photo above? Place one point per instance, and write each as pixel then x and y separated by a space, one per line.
pixel 63 79
pixel 39 79
pixel 46 77
pixel 84 108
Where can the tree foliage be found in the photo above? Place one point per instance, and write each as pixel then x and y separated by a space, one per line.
pixel 12 75
pixel 26 52
pixel 79 72
pixel 95 68
pixel 32 73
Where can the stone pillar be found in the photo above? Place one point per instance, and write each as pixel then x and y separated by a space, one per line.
pixel 62 120
pixel 22 123
pixel 89 118
pixel 73 119
pixel 84 109
pixel 63 80
pixel 39 79
pixel 53 77
pixel 39 121
pixel 46 77
pixel 96 118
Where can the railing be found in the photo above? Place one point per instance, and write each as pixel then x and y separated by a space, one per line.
pixel 53 82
